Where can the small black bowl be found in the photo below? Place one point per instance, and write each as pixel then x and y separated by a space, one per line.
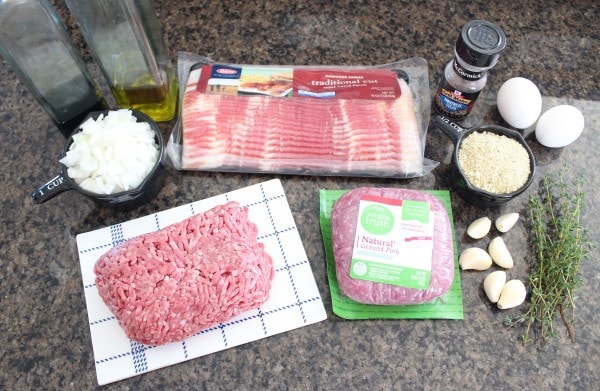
pixel 132 198
pixel 463 187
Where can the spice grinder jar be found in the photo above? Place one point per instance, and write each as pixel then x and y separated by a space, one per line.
pixel 465 187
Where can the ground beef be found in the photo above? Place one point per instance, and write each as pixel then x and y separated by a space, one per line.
pixel 343 225
pixel 168 285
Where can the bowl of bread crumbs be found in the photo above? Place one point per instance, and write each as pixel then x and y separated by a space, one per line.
pixel 491 164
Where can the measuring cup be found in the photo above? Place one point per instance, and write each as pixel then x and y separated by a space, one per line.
pixel 137 196
pixel 464 188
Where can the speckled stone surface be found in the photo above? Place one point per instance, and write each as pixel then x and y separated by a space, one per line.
pixel 45 339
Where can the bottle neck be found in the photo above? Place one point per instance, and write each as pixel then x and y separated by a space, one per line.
pixel 465 73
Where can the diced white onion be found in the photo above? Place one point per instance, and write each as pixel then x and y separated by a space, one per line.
pixel 111 154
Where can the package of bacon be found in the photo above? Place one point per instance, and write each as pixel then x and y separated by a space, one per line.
pixel 345 121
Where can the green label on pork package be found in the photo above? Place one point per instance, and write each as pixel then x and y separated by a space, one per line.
pixel 393 242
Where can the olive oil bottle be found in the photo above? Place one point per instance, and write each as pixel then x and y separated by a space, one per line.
pixel 158 101
pixel 126 41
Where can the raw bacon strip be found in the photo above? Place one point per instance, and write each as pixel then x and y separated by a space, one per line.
pixel 259 133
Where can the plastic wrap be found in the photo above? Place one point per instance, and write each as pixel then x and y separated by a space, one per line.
pixel 272 119
pixel 447 306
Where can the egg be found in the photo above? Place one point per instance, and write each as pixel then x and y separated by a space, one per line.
pixel 559 126
pixel 519 102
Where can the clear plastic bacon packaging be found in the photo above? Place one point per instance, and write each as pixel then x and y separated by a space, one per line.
pixel 313 120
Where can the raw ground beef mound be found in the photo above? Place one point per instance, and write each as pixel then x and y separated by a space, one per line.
pixel 168 285
pixel 343 226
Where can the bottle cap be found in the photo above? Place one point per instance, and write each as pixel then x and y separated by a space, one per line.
pixel 480 43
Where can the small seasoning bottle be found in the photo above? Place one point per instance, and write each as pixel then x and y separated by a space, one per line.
pixel 477 49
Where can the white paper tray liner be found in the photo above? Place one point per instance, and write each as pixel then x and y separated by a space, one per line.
pixel 294 298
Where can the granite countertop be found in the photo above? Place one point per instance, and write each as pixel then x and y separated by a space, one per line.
pixel 45 339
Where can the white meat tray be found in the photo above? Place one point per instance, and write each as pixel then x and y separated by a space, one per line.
pixel 294 300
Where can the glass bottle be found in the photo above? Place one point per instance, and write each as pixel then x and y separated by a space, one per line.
pixel 35 44
pixel 126 41
pixel 477 49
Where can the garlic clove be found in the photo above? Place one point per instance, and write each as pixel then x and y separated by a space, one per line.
pixel 505 222
pixel 513 295
pixel 479 228
pixel 474 258
pixel 493 284
pixel 499 253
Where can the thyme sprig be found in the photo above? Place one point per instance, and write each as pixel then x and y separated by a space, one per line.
pixel 561 244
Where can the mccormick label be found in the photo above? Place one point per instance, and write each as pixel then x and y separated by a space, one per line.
pixel 454 103
pixel 288 82
pixel 393 242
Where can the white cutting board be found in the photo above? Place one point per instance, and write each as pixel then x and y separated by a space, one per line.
pixel 294 298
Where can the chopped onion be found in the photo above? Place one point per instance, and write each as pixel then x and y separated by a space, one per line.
pixel 111 154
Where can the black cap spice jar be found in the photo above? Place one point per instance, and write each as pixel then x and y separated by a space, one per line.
pixel 477 49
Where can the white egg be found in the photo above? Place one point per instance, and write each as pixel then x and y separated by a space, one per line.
pixel 519 102
pixel 559 126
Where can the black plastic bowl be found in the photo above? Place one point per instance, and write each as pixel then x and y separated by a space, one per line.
pixel 463 187
pixel 143 193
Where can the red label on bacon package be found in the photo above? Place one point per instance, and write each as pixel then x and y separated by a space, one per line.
pixel 378 84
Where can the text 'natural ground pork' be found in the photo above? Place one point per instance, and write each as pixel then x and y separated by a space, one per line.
pixel 343 225
pixel 168 285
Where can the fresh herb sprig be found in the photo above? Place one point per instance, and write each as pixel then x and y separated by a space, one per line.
pixel 561 244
